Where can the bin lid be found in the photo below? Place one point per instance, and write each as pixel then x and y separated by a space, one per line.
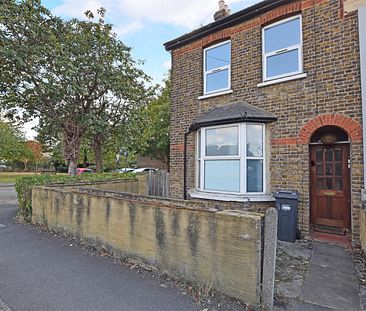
pixel 287 194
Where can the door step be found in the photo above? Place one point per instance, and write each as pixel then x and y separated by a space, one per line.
pixel 342 240
pixel 329 230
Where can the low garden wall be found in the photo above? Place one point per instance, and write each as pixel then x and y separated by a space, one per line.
pixel 363 229
pixel 230 251
pixel 137 186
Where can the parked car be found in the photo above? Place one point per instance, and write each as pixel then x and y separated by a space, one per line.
pixel 144 170
pixel 125 170
pixel 94 168
pixel 81 170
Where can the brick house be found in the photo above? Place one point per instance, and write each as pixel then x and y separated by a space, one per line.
pixel 267 99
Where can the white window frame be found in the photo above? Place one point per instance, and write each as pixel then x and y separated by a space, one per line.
pixel 215 70
pixel 298 47
pixel 242 157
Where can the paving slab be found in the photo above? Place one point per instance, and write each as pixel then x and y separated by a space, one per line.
pixel 333 278
pixel 326 296
pixel 330 250
pixel 331 282
pixel 342 264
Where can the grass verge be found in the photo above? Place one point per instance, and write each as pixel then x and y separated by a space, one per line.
pixel 12 177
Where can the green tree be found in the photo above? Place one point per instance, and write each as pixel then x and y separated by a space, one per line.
pixel 147 133
pixel 112 112
pixel 10 142
pixel 35 151
pixel 27 154
pixel 51 142
pixel 62 71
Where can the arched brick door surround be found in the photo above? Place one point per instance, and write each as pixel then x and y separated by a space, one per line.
pixel 352 127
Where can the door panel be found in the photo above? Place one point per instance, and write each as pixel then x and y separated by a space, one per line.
pixel 330 185
pixel 322 206
pixel 337 209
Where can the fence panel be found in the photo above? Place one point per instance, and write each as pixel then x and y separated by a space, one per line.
pixel 158 184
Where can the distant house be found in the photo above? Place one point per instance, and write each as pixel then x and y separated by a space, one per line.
pixel 266 99
pixel 146 161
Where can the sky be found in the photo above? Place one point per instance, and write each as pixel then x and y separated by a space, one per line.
pixel 145 25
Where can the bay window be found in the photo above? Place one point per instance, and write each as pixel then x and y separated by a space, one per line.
pixel 230 158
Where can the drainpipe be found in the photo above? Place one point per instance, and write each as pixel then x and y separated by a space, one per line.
pixel 185 164
pixel 362 40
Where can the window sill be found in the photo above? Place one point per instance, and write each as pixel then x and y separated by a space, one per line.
pixel 215 94
pixel 194 193
pixel 295 77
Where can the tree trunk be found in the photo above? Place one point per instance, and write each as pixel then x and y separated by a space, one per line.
pixel 72 168
pixel 163 157
pixel 85 160
pixel 72 136
pixel 97 148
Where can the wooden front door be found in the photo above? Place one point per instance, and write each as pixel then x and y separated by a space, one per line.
pixel 330 185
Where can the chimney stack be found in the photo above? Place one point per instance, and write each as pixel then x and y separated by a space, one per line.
pixel 222 12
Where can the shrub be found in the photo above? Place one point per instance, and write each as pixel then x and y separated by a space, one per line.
pixel 62 169
pixel 23 187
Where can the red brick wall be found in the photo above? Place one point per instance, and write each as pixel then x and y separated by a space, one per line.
pixel 150 162
pixel 329 95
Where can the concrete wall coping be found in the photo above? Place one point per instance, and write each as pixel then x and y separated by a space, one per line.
pixel 163 202
pixel 85 183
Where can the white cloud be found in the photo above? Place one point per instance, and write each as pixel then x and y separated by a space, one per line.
pixel 186 13
pixel 77 8
pixel 167 64
pixel 189 13
pixel 122 30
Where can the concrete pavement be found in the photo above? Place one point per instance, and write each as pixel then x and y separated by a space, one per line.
pixel 42 272
pixel 331 283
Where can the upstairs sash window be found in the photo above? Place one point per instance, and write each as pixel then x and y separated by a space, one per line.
pixel 217 61
pixel 282 49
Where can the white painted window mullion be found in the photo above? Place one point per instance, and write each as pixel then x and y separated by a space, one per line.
pixel 203 147
pixel 243 159
pixel 264 158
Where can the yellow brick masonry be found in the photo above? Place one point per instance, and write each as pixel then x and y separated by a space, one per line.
pixel 330 94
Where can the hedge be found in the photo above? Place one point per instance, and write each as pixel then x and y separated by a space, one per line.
pixel 24 185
